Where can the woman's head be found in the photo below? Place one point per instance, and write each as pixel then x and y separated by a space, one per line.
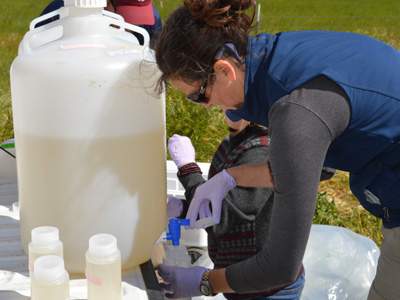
pixel 195 33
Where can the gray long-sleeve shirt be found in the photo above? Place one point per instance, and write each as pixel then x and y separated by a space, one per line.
pixel 302 126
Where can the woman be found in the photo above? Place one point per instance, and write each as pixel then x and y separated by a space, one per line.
pixel 245 212
pixel 329 98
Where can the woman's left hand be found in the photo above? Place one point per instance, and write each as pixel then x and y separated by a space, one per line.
pixel 174 207
pixel 181 282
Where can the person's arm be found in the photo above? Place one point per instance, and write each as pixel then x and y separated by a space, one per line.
pixel 280 261
pixel 252 175
pixel 191 181
pixel 302 127
pixel 218 282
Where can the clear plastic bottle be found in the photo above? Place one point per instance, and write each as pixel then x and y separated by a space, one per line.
pixel 103 268
pixel 45 241
pixel 175 254
pixel 50 280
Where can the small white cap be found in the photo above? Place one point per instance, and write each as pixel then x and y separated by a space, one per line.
pixel 45 235
pixel 103 245
pixel 85 3
pixel 49 268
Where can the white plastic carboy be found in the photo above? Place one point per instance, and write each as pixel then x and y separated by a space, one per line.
pixel 90 132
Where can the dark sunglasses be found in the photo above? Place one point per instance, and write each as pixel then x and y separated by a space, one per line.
pixel 200 96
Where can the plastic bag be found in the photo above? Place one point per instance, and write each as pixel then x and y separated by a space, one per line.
pixel 339 264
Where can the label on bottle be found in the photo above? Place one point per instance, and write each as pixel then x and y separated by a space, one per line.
pixel 30 267
pixel 93 279
pixel 123 51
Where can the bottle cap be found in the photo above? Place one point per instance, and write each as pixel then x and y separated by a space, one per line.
pixel 49 267
pixel 103 245
pixel 85 3
pixel 45 235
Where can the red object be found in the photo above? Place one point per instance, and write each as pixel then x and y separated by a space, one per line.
pixel 136 12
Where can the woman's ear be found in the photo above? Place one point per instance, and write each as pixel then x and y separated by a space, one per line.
pixel 225 68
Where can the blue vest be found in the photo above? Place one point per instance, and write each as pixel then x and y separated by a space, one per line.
pixel 369 73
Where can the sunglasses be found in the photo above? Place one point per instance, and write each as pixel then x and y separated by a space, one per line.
pixel 200 96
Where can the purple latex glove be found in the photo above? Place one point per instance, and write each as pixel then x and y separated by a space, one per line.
pixel 174 207
pixel 214 191
pixel 181 150
pixel 183 282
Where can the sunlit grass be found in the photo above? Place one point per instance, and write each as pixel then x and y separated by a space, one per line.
pixel 205 127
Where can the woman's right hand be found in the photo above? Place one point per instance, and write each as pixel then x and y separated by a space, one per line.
pixel 211 192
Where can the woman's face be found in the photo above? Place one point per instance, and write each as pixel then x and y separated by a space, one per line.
pixel 215 93
pixel 227 88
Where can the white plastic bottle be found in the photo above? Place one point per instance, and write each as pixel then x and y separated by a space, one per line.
pixel 103 268
pixel 50 280
pixel 90 133
pixel 45 241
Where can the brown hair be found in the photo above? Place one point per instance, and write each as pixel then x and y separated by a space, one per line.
pixel 195 32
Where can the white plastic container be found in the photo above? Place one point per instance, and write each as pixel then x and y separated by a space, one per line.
pixel 45 241
pixel 90 133
pixel 50 280
pixel 103 268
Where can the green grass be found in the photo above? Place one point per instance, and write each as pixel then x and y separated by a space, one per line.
pixel 206 128
pixel 351 216
pixel 15 18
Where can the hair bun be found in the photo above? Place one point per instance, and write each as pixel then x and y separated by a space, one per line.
pixel 239 5
pixel 218 13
